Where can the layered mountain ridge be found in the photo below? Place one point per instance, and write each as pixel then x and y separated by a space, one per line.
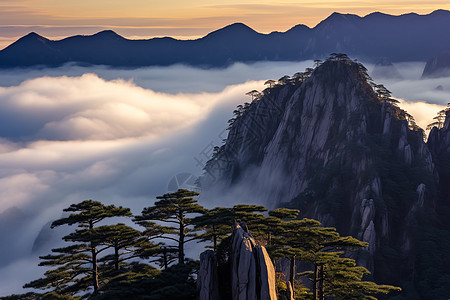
pixel 331 144
pixel 409 37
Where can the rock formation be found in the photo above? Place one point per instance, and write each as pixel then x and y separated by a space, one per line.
pixel 439 145
pixel 330 145
pixel 438 66
pixel 207 280
pixel 252 274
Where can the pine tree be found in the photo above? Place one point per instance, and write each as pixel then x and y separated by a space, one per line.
pixel 123 240
pixel 252 216
pixel 77 264
pixel 173 209
pixel 306 240
pixel 216 223
pixel 439 118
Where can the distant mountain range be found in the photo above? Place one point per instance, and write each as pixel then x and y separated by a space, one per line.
pixel 409 37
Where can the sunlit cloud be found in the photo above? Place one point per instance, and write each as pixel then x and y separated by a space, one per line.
pixel 423 112
pixel 89 107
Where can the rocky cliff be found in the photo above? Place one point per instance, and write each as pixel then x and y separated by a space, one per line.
pixel 334 145
pixel 439 145
pixel 250 276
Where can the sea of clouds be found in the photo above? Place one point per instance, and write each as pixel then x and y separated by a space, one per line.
pixel 122 135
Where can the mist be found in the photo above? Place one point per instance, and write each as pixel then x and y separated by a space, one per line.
pixel 125 136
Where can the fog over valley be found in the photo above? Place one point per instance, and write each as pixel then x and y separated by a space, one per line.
pixel 120 135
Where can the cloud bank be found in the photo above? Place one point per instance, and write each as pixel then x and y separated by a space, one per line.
pixel 66 139
pixel 90 108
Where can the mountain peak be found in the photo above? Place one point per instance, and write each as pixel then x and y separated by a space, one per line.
pixel 30 40
pixel 232 30
pixel 298 28
pixel 33 36
pixel 107 34
pixel 237 26
pixel 376 15
pixel 440 12
pixel 338 18
pixel 320 128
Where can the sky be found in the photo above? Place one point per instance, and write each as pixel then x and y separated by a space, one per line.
pixel 179 18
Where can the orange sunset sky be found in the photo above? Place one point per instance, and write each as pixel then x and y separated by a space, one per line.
pixel 180 18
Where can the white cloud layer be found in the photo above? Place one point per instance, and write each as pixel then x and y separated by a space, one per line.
pixel 90 108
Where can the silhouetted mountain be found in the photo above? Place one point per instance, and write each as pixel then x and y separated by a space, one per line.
pixel 409 37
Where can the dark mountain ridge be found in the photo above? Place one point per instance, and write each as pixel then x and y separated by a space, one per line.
pixel 328 142
pixel 409 37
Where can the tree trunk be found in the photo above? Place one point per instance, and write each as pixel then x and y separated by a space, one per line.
pixel 315 283
pixel 321 279
pixel 165 258
pixel 181 241
pixel 116 257
pixel 292 274
pixel 214 238
pixel 94 270
pixel 94 263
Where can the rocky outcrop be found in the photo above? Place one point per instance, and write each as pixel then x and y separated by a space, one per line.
pixel 330 146
pixel 252 274
pixel 438 66
pixel 439 138
pixel 367 231
pixel 207 280
pixel 439 145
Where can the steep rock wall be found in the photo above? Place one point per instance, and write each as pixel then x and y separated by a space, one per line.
pixel 330 146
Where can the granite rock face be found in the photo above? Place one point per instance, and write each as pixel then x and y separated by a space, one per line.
pixel 252 274
pixel 439 138
pixel 207 280
pixel 329 145
pixel 438 66
pixel 439 145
